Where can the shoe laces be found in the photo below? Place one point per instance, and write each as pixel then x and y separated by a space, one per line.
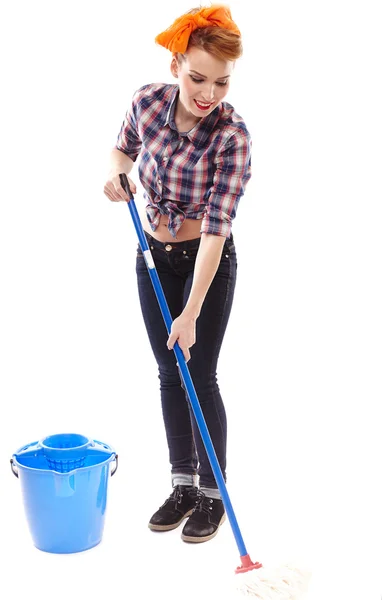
pixel 176 496
pixel 203 504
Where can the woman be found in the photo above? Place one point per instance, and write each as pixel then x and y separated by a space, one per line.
pixel 195 161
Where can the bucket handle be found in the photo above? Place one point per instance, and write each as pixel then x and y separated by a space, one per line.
pixel 116 465
pixel 14 471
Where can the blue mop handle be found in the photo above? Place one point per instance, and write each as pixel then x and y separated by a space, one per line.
pixel 188 383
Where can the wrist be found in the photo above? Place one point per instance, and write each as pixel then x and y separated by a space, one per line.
pixel 115 171
pixel 192 311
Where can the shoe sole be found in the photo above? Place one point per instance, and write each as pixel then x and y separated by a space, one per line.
pixel 172 526
pixel 196 540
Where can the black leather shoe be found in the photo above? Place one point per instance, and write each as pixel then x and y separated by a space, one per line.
pixel 177 507
pixel 205 520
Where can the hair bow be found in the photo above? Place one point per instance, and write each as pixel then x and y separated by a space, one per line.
pixel 175 38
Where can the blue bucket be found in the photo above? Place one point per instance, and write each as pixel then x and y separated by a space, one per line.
pixel 64 481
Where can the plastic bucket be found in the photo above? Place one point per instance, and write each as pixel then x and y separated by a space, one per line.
pixel 64 482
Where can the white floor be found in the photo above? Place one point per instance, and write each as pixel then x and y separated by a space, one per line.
pixel 133 562
pixel 328 527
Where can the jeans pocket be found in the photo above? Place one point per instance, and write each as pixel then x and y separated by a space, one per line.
pixel 190 254
pixel 229 249
pixel 139 252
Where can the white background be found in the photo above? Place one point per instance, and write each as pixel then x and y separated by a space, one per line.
pixel 300 369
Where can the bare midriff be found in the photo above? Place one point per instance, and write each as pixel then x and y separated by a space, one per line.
pixel 189 230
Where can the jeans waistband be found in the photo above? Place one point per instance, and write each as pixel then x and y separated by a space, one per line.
pixel 186 245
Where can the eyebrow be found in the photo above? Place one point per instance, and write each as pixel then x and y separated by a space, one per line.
pixel 201 75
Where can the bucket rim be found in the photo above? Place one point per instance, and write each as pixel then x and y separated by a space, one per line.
pixel 68 473
pixel 111 456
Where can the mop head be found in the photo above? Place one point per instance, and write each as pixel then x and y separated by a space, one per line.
pixel 282 583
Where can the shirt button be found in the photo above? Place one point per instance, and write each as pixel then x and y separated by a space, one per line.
pixel 159 181
pixel 165 158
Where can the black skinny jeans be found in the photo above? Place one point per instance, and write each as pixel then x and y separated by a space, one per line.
pixel 175 267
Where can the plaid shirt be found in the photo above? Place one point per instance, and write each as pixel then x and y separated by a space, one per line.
pixel 200 174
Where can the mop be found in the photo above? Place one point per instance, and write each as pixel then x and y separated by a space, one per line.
pixel 253 579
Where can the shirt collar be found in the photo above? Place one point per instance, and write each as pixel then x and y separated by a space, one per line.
pixel 199 134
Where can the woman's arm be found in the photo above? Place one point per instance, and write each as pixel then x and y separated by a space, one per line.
pixel 124 154
pixel 119 163
pixel 206 265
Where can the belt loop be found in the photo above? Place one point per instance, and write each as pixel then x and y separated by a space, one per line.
pixel 148 237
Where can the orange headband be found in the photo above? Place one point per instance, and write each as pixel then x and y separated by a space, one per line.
pixel 176 37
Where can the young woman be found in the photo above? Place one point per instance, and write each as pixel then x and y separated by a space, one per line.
pixel 195 161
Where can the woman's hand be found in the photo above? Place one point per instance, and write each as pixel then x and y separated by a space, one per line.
pixel 183 331
pixel 114 190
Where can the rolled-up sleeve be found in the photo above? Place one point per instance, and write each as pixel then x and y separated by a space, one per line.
pixel 233 171
pixel 128 140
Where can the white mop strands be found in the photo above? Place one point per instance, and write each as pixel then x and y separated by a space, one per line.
pixel 279 583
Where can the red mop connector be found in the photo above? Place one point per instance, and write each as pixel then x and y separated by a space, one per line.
pixel 247 564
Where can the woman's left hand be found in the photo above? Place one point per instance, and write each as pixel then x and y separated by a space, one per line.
pixel 183 331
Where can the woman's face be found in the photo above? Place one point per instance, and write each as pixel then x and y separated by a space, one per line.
pixel 203 81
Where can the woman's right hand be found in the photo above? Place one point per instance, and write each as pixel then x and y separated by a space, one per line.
pixel 114 190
